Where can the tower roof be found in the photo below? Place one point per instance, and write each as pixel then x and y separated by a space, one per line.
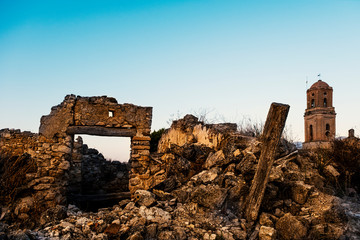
pixel 320 85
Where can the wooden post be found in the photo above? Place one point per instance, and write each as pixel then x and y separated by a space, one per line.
pixel 270 138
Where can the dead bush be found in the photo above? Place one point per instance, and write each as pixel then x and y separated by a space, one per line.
pixel 13 170
pixel 345 157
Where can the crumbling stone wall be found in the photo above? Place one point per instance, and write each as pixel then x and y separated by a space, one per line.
pixel 46 185
pixel 103 116
pixel 96 116
pixel 57 158
pixel 189 147
pixel 191 130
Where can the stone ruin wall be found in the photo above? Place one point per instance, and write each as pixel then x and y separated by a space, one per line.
pixel 58 157
pixel 103 116
pixel 90 115
pixel 47 184
pixel 182 150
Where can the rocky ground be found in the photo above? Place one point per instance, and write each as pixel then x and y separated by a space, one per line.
pixel 147 217
pixel 209 169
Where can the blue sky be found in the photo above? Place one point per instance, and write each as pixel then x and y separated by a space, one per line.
pixel 230 57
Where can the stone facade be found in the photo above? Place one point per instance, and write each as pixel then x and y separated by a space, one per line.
pixel 319 116
pixel 103 116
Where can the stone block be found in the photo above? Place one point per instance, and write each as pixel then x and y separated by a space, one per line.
pixel 141 138
pixel 142 143
pixel 265 220
pixel 134 181
pixel 140 147
pixel 210 196
pixel 64 165
pixel 144 198
pixel 42 186
pixel 331 172
pixel 214 159
pixel 144 176
pixel 267 233
pixel 300 192
pixel 289 227
pixel 154 214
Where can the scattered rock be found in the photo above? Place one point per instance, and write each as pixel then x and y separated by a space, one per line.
pixel 205 176
pixel 276 175
pixel 151 230
pixel 136 236
pixel 144 198
pixel 208 236
pixel 166 235
pixel 300 192
pixel 53 215
pixel 155 214
pixel 288 227
pixel 215 159
pixel 331 172
pixel 210 196
pixel 112 229
pixel 265 220
pixel 267 233
pixel 24 206
pixel 19 235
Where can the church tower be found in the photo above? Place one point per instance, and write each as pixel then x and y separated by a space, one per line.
pixel 319 116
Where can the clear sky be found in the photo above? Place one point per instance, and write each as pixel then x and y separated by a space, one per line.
pixel 231 57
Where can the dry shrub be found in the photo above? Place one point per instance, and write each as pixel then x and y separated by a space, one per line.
pixel 249 127
pixel 155 138
pixel 345 157
pixel 13 170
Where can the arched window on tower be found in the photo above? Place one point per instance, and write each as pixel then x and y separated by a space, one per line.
pixel 311 133
pixel 312 103
pixel 327 132
pixel 325 102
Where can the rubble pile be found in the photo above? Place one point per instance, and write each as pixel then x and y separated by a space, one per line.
pixel 199 180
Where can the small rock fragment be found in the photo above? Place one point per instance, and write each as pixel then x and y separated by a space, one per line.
pixel 267 233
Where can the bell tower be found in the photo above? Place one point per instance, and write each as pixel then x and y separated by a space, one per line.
pixel 319 116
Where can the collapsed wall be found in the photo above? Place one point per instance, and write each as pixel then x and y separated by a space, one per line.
pixel 183 149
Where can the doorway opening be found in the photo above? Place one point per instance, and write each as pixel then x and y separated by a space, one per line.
pixel 112 148
pixel 105 166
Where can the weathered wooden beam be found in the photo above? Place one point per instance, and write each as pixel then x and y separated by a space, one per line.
pixel 101 131
pixel 270 139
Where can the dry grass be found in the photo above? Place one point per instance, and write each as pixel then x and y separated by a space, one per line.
pixel 13 170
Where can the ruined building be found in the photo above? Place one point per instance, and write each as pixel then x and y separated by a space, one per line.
pixel 319 116
pixel 61 167
pixel 102 116
pixel 195 186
